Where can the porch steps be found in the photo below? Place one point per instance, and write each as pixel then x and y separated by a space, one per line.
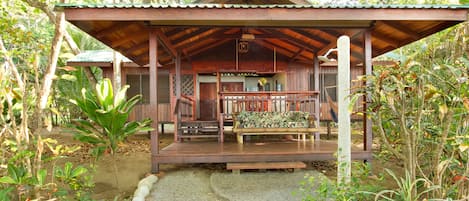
pixel 199 129
pixel 237 167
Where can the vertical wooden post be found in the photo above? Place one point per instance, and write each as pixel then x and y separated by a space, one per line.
pixel 368 135
pixel 343 99
pixel 218 95
pixel 178 98
pixel 153 55
pixel 317 104
pixel 220 116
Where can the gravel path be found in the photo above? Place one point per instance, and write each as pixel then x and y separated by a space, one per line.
pixel 184 185
pixel 204 185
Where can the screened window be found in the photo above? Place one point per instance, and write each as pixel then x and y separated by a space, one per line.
pixel 139 84
pixel 327 81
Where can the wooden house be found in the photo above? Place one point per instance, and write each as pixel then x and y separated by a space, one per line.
pixel 204 62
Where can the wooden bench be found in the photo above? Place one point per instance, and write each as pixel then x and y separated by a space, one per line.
pixel 300 131
pixel 237 167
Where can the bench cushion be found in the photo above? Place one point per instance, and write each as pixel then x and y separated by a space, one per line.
pixel 290 119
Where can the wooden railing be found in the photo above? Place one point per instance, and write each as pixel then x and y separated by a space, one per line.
pixel 233 102
pixel 186 107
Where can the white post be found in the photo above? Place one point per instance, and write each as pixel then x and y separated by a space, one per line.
pixel 343 98
pixel 116 64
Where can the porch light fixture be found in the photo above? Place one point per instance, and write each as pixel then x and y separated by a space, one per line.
pixel 324 57
pixel 248 37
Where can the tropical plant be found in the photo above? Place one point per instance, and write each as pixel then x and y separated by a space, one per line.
pixel 107 124
pixel 405 189
pixel 314 188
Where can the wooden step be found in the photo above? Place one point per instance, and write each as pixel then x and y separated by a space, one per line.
pixel 197 136
pixel 236 167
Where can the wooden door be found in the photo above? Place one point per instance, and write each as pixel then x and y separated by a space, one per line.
pixel 208 101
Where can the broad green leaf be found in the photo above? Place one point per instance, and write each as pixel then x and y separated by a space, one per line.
pixel 41 176
pixel 68 77
pixel 7 180
pixel 78 171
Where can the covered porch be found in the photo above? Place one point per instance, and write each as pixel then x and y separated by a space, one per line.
pixel 213 55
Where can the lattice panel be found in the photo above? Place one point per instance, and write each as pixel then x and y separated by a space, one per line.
pixel 187 85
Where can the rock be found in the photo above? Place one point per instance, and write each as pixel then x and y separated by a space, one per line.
pixel 143 188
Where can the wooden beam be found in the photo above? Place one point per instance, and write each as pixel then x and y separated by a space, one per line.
pixel 368 135
pixel 294 41
pixel 296 55
pixel 311 36
pixel 166 43
pixel 190 34
pixel 390 41
pixel 403 29
pixel 194 39
pixel 134 37
pixel 137 47
pixel 333 44
pixel 279 49
pixel 317 103
pixel 262 16
pixel 114 27
pixel 178 97
pixel 215 44
pixel 153 71
pixel 336 34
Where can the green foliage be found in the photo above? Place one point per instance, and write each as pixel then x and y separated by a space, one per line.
pixel 77 181
pixel 405 189
pixel 4 193
pixel 107 114
pixel 320 189
pixel 420 111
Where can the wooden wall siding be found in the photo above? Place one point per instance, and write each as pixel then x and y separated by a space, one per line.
pixel 144 111
pixel 298 76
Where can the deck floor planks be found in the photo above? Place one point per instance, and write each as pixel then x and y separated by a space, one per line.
pixel 249 148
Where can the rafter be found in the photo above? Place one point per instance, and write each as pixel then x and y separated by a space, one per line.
pixel 390 41
pixel 136 37
pixel 166 43
pixel 115 27
pixel 194 39
pixel 294 41
pixel 333 44
pixel 310 36
pixel 138 47
pixel 296 55
pixel 284 51
pixel 213 45
pixel 403 29
pixel 190 34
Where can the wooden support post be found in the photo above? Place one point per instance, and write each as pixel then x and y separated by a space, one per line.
pixel 317 103
pixel 343 99
pixel 368 135
pixel 153 55
pixel 220 116
pixel 177 119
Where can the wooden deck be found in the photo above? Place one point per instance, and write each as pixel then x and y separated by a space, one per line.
pixel 214 152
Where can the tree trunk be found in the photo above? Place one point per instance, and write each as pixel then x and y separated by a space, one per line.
pixel 68 39
pixel 52 65
pixel 11 64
